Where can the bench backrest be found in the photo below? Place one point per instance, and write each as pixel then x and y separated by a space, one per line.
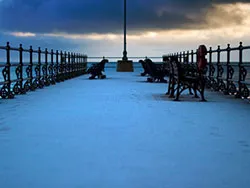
pixel 144 66
pixel 98 66
pixel 166 67
pixel 151 67
pixel 174 67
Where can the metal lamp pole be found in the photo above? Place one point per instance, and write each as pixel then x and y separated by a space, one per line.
pixel 125 65
pixel 125 32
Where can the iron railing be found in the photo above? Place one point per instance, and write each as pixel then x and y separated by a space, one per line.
pixel 228 76
pixel 48 68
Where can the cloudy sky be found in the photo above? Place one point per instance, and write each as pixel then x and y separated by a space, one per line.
pixel 94 27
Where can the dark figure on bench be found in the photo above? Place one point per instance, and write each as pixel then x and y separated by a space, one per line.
pixel 97 69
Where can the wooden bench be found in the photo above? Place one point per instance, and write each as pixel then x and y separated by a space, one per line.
pixel 97 69
pixel 156 72
pixel 185 76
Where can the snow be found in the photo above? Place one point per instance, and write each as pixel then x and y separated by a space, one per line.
pixel 122 132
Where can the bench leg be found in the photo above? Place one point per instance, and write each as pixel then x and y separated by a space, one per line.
pixel 190 91
pixel 202 96
pixel 162 80
pixel 169 86
pixel 92 77
pixel 202 92
pixel 172 88
pixel 195 93
pixel 150 79
pixel 102 76
pixel 194 87
pixel 177 92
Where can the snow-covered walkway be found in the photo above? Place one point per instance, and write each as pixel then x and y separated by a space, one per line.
pixel 122 133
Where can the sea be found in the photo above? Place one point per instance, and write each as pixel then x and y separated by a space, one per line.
pixel 112 65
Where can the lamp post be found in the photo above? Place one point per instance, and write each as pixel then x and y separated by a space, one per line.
pixel 125 65
pixel 125 58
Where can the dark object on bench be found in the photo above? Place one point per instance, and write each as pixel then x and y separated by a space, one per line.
pixel 97 69
pixel 156 72
pixel 145 68
pixel 187 76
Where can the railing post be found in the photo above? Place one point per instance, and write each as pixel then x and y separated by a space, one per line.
pixel 226 92
pixel 21 68
pixel 238 95
pixel 65 68
pixel 83 64
pixel 45 69
pixel 196 55
pixel 6 92
pixel 192 56
pixel 184 56
pixel 61 67
pixel 51 69
pixel 29 72
pixel 69 65
pixel 8 64
pixel 18 87
pixel 36 82
pixel 41 82
pixel 72 70
pixel 209 84
pixel 79 61
pixel 57 67
pixel 210 60
pixel 76 65
pixel 85 61
pixel 73 65
pixel 218 70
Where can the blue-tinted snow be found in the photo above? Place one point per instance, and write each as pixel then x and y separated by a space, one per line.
pixel 122 133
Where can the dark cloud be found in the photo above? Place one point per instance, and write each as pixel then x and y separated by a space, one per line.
pixel 101 16
pixel 40 41
pixel 230 1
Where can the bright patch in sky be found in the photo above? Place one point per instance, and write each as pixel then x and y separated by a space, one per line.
pixel 23 34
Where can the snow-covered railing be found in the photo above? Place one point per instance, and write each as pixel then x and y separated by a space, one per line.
pixel 227 69
pixel 30 69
